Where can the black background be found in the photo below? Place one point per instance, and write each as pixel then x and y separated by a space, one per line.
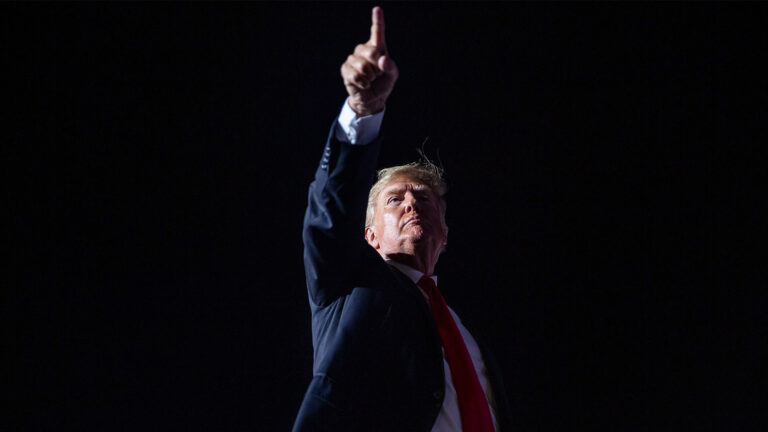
pixel 158 158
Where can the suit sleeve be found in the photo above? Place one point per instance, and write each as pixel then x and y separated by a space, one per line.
pixel 335 217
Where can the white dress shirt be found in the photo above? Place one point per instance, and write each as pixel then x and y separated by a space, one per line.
pixel 358 130
pixel 361 131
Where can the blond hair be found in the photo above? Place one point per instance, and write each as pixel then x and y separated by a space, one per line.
pixel 424 172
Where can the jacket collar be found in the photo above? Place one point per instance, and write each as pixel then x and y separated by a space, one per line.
pixel 412 274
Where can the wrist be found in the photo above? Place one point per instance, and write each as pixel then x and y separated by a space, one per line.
pixel 365 109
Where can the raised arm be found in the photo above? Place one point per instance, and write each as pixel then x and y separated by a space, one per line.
pixel 333 222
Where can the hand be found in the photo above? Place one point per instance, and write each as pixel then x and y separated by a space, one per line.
pixel 369 74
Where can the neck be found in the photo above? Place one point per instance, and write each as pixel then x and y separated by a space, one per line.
pixel 420 263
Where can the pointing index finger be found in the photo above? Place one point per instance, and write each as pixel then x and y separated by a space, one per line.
pixel 377 29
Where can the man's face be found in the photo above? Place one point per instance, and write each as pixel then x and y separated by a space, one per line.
pixel 407 220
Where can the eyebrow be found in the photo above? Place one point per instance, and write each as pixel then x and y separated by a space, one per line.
pixel 400 189
pixel 394 191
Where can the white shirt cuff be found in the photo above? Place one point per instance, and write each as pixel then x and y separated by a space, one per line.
pixel 358 130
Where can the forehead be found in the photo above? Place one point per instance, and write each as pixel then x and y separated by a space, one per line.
pixel 402 184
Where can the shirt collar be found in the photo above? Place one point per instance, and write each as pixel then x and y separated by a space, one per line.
pixel 413 274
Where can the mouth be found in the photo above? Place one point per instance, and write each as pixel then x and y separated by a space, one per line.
pixel 412 219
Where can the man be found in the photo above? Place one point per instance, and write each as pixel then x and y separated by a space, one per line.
pixel 389 354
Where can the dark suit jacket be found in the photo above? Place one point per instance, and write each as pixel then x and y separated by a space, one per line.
pixel 378 364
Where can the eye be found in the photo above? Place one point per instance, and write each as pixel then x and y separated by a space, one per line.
pixel 424 197
pixel 393 199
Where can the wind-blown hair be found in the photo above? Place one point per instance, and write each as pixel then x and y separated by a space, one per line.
pixel 424 171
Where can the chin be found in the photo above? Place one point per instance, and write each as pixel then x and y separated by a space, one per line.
pixel 416 234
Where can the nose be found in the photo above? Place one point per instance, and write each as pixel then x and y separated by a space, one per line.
pixel 410 202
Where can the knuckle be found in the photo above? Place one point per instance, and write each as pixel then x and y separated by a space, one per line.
pixel 364 50
pixel 357 77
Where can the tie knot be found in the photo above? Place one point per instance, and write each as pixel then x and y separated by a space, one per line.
pixel 427 284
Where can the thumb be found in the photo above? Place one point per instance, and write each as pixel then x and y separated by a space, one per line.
pixel 386 64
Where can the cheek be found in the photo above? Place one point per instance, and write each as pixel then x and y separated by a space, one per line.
pixel 390 220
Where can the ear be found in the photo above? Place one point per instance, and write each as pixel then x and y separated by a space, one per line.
pixel 445 237
pixel 370 237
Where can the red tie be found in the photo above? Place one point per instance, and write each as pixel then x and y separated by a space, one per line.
pixel 475 414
